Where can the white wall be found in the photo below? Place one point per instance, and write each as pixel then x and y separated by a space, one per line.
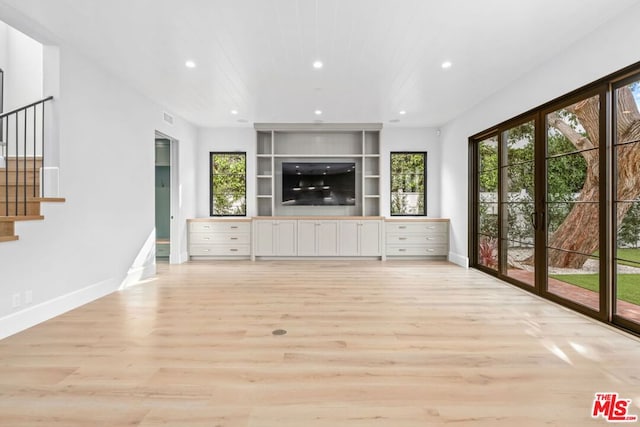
pixel 604 51
pixel 225 139
pixel 412 139
pixel 103 234
pixel 21 60
pixel 392 139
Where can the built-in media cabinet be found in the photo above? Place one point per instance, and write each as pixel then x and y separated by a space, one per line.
pixel 338 166
pixel 318 195
pixel 318 236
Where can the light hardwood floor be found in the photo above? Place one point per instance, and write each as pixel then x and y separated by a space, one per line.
pixel 368 343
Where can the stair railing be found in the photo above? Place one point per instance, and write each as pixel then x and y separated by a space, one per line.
pixel 22 144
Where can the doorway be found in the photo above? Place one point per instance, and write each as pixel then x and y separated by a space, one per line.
pixel 163 197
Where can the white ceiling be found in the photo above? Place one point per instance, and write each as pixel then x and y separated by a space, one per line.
pixel 380 56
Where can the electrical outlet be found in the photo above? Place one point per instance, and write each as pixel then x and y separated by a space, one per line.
pixel 28 297
pixel 16 300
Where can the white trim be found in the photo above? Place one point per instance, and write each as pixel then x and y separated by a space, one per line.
pixel 31 316
pixel 460 260
pixel 136 274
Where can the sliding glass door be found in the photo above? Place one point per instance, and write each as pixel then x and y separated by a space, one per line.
pixel 626 201
pixel 572 202
pixel 555 206
pixel 486 247
pixel 517 203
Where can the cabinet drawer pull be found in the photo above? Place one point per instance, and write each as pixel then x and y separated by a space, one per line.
pixel 206 226
pixel 233 250
pixel 402 227
pixel 402 250
pixel 206 238
pixel 429 238
pixel 233 227
pixel 205 250
pixel 402 238
pixel 430 250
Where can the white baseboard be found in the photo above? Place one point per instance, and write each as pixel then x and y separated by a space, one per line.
pixel 136 274
pixel 31 316
pixel 460 260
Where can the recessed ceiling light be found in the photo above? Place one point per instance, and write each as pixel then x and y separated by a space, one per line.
pixel 190 64
pixel 317 64
pixel 234 112
pixel 318 112
pixel 402 112
pixel 446 64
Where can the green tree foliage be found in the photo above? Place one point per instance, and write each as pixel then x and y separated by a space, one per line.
pixel 228 184
pixel 408 171
pixel 566 176
pixel 629 230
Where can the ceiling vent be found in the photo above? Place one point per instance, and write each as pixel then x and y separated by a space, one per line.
pixel 167 118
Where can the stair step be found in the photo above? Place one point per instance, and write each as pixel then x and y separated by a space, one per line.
pixel 21 218
pixel 12 165
pixel 28 178
pixel 32 192
pixel 48 199
pixel 12 208
pixel 7 229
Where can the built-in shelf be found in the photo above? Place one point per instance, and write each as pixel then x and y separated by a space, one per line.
pixel 357 143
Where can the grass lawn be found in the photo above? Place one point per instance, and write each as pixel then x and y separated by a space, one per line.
pixel 628 284
pixel 629 255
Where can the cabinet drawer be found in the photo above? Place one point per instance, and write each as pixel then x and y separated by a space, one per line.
pixel 219 250
pixel 220 227
pixel 230 238
pixel 416 251
pixel 417 227
pixel 162 249
pixel 420 239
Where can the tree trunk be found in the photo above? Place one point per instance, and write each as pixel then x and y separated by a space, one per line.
pixel 579 232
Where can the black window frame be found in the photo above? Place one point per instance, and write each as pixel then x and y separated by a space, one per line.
pixel 426 157
pixel 211 173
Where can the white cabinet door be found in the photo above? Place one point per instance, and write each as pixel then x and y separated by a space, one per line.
pixel 264 238
pixel 326 237
pixel 307 238
pixel 370 232
pixel 349 239
pixel 285 237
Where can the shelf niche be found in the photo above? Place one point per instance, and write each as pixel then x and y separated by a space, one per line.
pixel 328 143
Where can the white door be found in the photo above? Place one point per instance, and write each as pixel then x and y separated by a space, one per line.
pixel 286 238
pixel 349 238
pixel 307 238
pixel 264 243
pixel 327 238
pixel 370 238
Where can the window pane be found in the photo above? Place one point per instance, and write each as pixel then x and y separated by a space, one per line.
pixel 572 202
pixel 408 186
pixel 228 184
pixel 627 202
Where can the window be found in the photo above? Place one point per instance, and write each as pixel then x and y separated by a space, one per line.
pixel 228 184
pixel 408 183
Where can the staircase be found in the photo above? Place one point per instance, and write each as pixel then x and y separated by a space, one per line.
pixel 20 194
pixel 21 147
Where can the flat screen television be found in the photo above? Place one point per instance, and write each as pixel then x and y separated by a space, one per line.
pixel 318 184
